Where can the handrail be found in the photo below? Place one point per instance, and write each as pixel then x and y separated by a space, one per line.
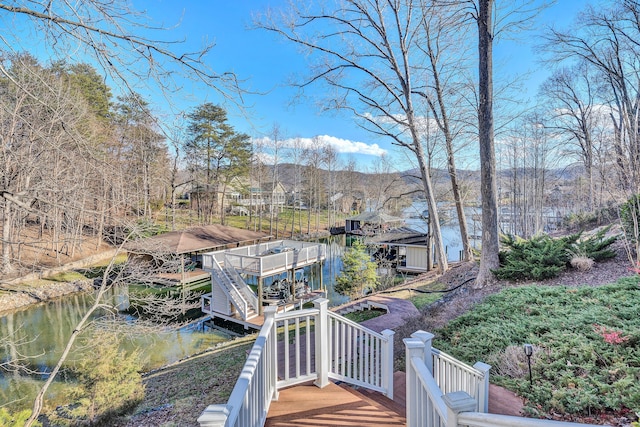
pixel 360 356
pixel 229 289
pixel 434 407
pixel 244 289
pixel 250 398
pixel 453 375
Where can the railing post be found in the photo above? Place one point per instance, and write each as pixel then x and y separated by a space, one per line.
pixel 483 391
pixel 458 401
pixel 322 342
pixel 387 362
pixel 426 338
pixel 272 361
pixel 214 416
pixel 414 347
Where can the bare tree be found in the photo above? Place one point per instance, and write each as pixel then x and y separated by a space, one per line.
pixel 571 93
pixel 607 39
pixel 296 154
pixel 121 39
pixel 368 60
pixel 490 244
pixel 276 143
pixel 445 89
pixel 332 163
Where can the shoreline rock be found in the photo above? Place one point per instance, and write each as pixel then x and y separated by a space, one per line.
pixel 14 299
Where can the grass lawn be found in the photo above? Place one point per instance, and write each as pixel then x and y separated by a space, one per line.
pixel 421 299
pixel 586 345
pixel 362 315
pixel 177 395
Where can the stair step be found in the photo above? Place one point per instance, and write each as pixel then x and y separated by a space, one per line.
pixel 376 399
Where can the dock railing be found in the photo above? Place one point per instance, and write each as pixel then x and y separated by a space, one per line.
pixel 299 346
pixel 444 392
pixel 245 290
pixel 226 284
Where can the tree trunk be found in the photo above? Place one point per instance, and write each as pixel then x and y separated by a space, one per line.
pixel 490 245
pixel 6 237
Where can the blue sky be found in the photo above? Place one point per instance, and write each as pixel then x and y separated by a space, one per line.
pixel 265 63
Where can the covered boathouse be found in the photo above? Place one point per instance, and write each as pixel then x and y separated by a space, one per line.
pixel 233 299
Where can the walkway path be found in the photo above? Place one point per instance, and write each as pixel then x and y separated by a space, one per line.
pixel 399 310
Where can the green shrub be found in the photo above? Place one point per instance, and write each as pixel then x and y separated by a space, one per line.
pixel 542 257
pixel 17 419
pixel 358 271
pixel 109 384
pixel 596 246
pixel 539 258
pixel 587 340
pixel 630 217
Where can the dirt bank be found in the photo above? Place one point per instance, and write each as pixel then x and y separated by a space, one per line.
pixel 28 295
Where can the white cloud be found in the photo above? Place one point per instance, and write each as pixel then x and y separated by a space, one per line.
pixel 342 146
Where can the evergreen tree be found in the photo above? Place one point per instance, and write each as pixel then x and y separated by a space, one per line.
pixel 216 153
pixel 358 271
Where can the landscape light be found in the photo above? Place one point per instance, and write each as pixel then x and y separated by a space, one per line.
pixel 528 351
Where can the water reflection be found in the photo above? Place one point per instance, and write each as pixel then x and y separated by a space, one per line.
pixel 41 332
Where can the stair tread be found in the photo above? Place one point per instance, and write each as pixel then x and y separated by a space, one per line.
pixel 376 398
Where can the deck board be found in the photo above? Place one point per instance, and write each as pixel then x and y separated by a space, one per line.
pixel 308 405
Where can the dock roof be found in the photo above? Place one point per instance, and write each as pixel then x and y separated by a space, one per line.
pixel 198 239
pixel 375 218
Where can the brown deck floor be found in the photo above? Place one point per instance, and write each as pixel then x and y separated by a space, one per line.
pixel 308 405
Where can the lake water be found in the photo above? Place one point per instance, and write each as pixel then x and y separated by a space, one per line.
pixel 44 329
pixel 448 226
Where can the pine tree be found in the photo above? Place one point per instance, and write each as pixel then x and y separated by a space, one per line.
pixel 358 271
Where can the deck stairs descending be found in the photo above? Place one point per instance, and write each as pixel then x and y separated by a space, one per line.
pixel 238 293
pixel 334 405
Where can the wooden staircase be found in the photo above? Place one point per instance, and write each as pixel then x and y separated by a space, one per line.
pixel 333 405
pixel 338 405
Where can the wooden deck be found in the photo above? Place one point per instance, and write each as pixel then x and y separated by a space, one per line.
pixel 333 405
pixel 341 405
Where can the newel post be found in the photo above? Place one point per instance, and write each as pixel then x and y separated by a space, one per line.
pixel 427 339
pixel 456 402
pixel 387 363
pixel 272 350
pixel 483 392
pixel 414 348
pixel 322 342
pixel 214 416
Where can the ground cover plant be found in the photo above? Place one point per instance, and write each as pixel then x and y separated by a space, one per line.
pixel 543 257
pixel 586 340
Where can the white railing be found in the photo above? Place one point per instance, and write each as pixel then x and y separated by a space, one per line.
pixel 251 397
pixel 249 259
pixel 429 370
pixel 358 355
pixel 297 347
pixel 220 277
pixel 307 354
pixel 425 404
pixel 242 286
pixel 452 375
